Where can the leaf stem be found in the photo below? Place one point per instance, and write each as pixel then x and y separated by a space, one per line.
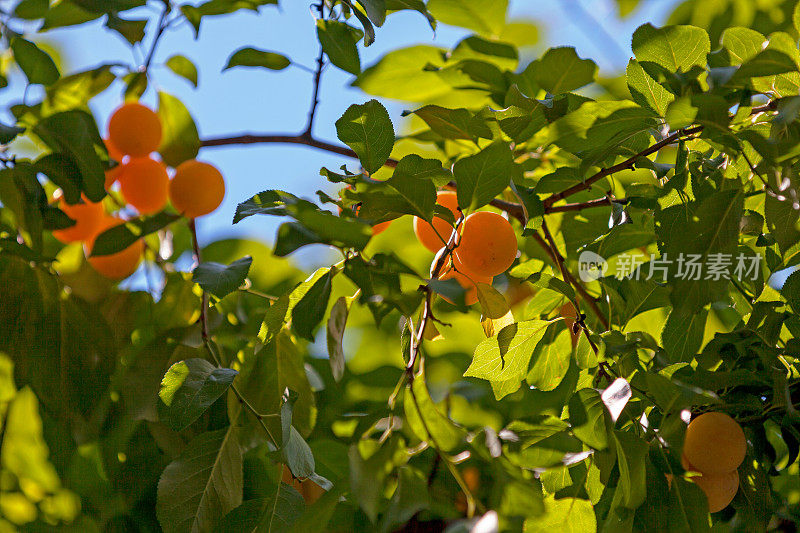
pixel 207 342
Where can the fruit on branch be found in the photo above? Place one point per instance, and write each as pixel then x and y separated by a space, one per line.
pixel 116 266
pixel 720 489
pixel 467 281
pixel 135 130
pixel 714 444
pixel 144 183
pixel 196 189
pixel 434 236
pixel 488 245
pixel 113 152
pixel 87 216
pixel 310 491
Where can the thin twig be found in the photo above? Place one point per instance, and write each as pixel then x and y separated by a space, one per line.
pixel 317 79
pixel 625 165
pixel 208 344
pixel 162 25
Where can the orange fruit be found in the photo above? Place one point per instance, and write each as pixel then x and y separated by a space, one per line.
pixel 144 184
pixel 714 444
pixel 488 245
pixel 116 266
pixel 135 130
pixel 87 217
pixel 196 189
pixel 467 281
pixel 310 491
pixel 113 175
pixel 434 236
pixel 720 489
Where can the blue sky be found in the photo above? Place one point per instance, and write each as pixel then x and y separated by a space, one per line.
pixel 257 100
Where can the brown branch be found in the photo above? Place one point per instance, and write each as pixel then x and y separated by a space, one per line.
pixel 312 113
pixel 600 202
pixel 624 165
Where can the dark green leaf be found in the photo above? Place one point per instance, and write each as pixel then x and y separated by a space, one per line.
pixel 8 133
pixel 221 280
pixel 253 57
pixel 336 326
pixel 310 310
pixel 37 65
pixel 338 40
pixel 202 484
pixel 121 236
pixel 454 123
pixel 368 130
pixel 188 390
pixel 413 180
pixel 131 30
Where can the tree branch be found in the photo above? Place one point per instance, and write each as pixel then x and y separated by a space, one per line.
pixel 162 25
pixel 209 345
pixel 625 165
pixel 317 79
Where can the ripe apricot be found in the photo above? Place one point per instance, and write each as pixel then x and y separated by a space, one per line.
pixel 310 491
pixel 434 236
pixel 714 444
pixel 116 266
pixel 467 281
pixel 720 489
pixel 144 184
pixel 196 189
pixel 87 217
pixel 488 245
pixel 135 130
pixel 113 175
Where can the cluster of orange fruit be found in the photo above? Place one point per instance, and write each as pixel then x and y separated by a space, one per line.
pixel 715 446
pixel 134 133
pixel 486 245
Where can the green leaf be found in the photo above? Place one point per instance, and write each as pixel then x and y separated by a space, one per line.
pixel 782 222
pixel 37 65
pixel 495 311
pixel 335 329
pixel 765 63
pixel 375 9
pixel 487 17
pixel 454 123
pixel 646 91
pixel 505 357
pixel 180 141
pixel 188 390
pixel 425 419
pixel 76 90
pixel 791 290
pixel 24 451
pixel 310 310
pixel 631 455
pixel 75 133
pixel 338 41
pixel 682 335
pixel 130 30
pixel 401 75
pixel 565 515
pixel 276 514
pixel 295 451
pixel 589 418
pixel 221 280
pixel 183 67
pixel 560 70
pixel 483 176
pixel 253 57
pixel 671 47
pixel 202 484
pixel 551 359
pixel 319 513
pixel 409 498
pixel 123 235
pixel 413 180
pixel 368 130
